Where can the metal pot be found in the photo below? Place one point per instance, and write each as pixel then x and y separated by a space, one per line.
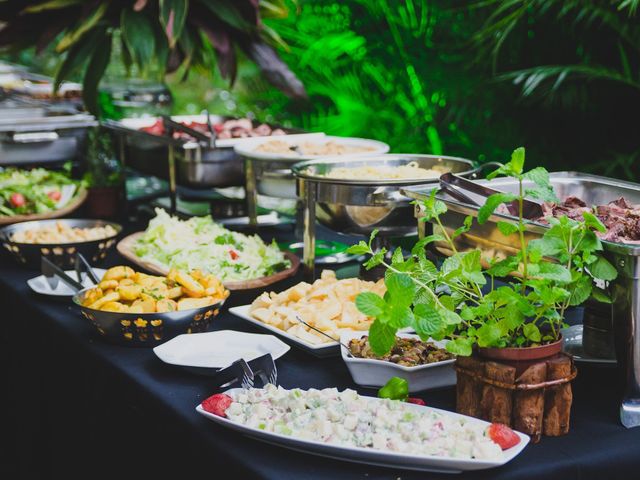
pixel 354 206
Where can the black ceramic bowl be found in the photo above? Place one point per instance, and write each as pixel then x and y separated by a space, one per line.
pixel 62 254
pixel 147 329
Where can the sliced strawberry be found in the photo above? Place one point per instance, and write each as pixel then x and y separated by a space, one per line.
pixel 503 435
pixel 416 401
pixel 217 404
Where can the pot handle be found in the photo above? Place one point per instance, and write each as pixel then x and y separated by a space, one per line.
pixel 478 171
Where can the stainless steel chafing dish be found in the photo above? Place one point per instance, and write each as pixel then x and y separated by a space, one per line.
pixel 594 190
pixel 361 206
pixel 270 173
pixel 36 133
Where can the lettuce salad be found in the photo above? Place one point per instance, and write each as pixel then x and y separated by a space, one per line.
pixel 200 243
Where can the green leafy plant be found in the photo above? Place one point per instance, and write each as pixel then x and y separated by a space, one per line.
pixel 167 35
pixel 461 299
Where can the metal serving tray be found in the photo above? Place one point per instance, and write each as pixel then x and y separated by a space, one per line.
pixel 594 190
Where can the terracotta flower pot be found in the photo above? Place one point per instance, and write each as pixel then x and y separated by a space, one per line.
pixel 521 358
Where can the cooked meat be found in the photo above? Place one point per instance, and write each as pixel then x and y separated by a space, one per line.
pixel 621 218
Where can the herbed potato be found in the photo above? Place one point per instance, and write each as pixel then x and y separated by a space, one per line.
pixel 124 290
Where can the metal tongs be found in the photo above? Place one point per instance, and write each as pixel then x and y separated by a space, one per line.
pixel 459 188
pixel 54 273
pixel 246 373
pixel 202 138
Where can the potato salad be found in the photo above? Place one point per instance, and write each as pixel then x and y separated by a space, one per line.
pixel 348 419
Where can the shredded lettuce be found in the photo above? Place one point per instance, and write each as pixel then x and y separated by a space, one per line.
pixel 200 243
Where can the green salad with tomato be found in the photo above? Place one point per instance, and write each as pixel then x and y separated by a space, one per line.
pixel 27 192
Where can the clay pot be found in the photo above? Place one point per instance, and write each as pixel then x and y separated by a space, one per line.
pixel 522 358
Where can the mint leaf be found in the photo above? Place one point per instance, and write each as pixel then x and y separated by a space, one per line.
pixel 593 222
pixel 488 334
pixel 400 288
pixel 580 290
pixel 382 337
pixel 543 188
pixel 376 259
pixel 517 160
pixel 507 228
pixel 433 207
pixel 600 295
pixel 603 269
pixel 532 332
pixel 466 226
pixel 418 248
pixel 371 304
pixel 504 267
pixel 400 316
pixel 472 267
pixel 450 318
pixel 360 249
pixel 428 320
pixel 554 271
pixel 492 203
pixel 397 257
pixel 460 346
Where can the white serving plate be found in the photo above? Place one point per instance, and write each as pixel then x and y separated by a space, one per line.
pixel 369 372
pixel 371 456
pixel 40 285
pixel 329 349
pixel 219 349
pixel 138 123
pixel 247 149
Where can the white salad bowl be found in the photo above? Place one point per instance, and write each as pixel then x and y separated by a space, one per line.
pixel 368 372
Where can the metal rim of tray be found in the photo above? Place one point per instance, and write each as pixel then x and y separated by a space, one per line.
pixel 300 169
pixel 541 228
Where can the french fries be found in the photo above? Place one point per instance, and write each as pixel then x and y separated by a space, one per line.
pixel 124 290
pixel 328 305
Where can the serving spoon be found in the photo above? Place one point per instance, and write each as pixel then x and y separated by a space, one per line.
pixel 326 335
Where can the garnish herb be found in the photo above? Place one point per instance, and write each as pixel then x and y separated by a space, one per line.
pixel 460 299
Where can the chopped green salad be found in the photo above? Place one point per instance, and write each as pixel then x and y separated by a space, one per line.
pixel 27 192
pixel 200 243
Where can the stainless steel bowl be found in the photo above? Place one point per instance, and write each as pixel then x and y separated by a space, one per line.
pixel 355 206
pixel 62 254
pixel 147 329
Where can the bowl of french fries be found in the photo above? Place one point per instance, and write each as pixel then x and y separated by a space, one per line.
pixel 137 309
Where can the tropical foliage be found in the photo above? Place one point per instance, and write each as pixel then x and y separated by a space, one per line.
pixel 163 35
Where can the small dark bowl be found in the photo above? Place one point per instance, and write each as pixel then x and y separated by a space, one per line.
pixel 147 329
pixel 62 254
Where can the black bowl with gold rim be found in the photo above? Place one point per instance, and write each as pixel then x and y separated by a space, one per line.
pixel 147 329
pixel 61 254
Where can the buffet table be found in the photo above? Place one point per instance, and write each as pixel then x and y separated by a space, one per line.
pixel 77 405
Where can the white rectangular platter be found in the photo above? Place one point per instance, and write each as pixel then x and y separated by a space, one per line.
pixel 372 456
pixel 329 349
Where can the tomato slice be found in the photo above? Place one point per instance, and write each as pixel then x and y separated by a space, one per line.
pixel 54 195
pixel 503 435
pixel 416 401
pixel 217 404
pixel 17 200
pixel 233 254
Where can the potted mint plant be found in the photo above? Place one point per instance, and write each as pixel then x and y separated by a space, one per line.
pixel 464 302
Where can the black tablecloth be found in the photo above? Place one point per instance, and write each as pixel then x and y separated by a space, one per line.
pixel 73 404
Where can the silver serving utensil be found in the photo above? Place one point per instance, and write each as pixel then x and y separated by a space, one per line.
pixel 237 371
pixel 265 368
pixel 456 187
pixel 82 266
pixel 325 334
pixel 212 132
pixel 52 273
